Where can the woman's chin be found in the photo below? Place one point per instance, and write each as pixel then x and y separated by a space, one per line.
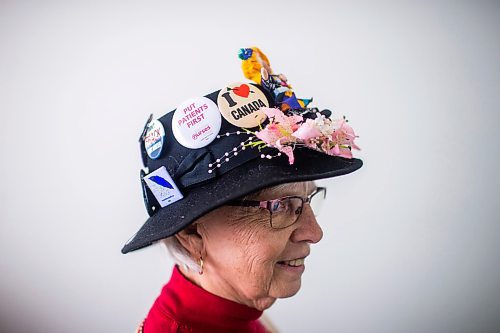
pixel 290 280
pixel 291 294
pixel 290 289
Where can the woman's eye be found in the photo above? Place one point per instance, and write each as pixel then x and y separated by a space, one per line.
pixel 279 206
pixel 274 206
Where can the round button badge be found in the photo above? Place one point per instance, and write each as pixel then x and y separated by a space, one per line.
pixel 196 122
pixel 240 103
pixel 154 139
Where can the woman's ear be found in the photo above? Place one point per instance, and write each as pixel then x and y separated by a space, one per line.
pixel 191 240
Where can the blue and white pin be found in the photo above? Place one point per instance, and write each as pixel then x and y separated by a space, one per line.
pixel 163 187
pixel 154 139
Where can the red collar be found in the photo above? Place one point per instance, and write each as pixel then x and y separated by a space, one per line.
pixel 191 307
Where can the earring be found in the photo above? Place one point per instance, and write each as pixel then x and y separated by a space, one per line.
pixel 201 266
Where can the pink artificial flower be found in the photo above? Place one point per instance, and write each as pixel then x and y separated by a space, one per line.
pixel 278 133
pixel 286 150
pixel 287 123
pixel 280 126
pixel 342 138
pixel 344 135
pixel 340 151
pixel 278 115
pixel 335 150
pixel 272 127
pixel 289 152
pixel 307 130
pixel 270 134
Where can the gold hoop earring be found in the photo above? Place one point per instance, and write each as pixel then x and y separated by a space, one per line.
pixel 201 266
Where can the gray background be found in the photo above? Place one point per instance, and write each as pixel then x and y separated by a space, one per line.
pixel 411 241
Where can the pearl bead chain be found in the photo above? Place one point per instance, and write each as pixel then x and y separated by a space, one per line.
pixel 235 150
pixel 229 133
pixel 227 156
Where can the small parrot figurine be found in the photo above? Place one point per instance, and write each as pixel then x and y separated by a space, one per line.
pixel 256 67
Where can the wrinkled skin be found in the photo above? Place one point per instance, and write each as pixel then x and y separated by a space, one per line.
pixel 240 250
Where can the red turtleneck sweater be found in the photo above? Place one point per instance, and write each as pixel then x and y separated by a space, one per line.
pixel 184 307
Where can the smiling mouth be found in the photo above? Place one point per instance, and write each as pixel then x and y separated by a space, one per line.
pixel 293 263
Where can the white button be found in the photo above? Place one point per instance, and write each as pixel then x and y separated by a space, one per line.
pixel 154 139
pixel 196 122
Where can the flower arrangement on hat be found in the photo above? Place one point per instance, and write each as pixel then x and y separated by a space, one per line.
pixel 293 124
pixel 286 132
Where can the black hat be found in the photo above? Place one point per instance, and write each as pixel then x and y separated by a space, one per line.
pixel 184 179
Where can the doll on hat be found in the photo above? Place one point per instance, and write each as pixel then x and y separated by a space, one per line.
pixel 256 67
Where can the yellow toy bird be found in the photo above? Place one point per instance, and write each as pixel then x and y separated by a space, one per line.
pixel 256 67
pixel 253 62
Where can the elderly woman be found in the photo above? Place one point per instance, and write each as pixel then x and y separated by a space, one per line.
pixel 230 191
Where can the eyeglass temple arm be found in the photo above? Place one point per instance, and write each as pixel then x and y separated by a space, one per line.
pixel 249 203
pixel 266 203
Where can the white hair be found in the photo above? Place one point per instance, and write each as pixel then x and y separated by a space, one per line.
pixel 178 252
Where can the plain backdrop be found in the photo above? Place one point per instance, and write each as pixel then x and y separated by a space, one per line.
pixel 411 241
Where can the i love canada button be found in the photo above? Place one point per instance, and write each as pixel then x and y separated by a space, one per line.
pixel 196 122
pixel 240 103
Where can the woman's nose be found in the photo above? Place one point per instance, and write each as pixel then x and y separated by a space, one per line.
pixel 307 228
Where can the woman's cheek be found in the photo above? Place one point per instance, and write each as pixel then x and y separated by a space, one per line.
pixel 255 247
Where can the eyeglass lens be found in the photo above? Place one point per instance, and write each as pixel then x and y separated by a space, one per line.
pixel 286 212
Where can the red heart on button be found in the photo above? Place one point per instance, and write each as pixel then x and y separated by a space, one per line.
pixel 243 90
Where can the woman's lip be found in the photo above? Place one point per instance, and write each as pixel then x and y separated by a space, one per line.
pixel 293 269
pixel 292 259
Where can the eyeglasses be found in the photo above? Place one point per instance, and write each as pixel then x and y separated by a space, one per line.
pixel 284 212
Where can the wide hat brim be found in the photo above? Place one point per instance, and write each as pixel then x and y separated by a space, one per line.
pixel 252 176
